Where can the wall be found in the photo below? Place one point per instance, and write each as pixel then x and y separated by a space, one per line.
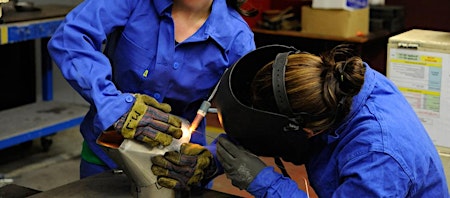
pixel 429 14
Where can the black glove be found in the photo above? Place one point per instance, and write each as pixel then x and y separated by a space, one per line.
pixel 239 165
pixel 149 121
pixel 193 165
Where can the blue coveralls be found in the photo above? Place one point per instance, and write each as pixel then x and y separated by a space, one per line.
pixel 380 150
pixel 146 59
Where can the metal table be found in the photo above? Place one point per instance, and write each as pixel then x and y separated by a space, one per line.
pixel 109 184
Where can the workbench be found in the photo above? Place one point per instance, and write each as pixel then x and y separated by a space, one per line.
pixel 106 184
pixel 46 117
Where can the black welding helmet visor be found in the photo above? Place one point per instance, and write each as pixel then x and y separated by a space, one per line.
pixel 261 132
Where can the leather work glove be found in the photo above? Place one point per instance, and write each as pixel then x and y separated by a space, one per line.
pixel 149 121
pixel 239 165
pixel 193 165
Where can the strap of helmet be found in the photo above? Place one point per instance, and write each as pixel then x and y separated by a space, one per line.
pixel 278 83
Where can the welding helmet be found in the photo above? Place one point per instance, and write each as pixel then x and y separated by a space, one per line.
pixel 273 134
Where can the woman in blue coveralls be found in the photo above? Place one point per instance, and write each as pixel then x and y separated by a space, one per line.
pixel 162 52
pixel 352 128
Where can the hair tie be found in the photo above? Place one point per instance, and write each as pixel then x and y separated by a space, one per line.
pixel 341 71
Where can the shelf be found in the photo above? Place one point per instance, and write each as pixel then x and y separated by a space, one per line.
pixel 291 33
pixel 38 119
pixel 24 26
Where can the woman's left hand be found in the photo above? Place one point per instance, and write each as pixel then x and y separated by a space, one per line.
pixel 240 165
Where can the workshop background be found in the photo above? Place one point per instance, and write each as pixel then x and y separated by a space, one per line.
pixel 32 165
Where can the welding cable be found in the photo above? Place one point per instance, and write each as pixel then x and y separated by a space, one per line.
pixel 213 93
pixel 280 165
pixel 205 107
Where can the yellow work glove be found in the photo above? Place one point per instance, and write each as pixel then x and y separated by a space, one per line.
pixel 193 165
pixel 149 121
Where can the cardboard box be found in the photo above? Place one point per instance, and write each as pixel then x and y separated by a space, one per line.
pixel 335 22
pixel 340 4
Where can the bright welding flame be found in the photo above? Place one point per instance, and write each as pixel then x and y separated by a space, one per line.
pixel 201 113
pixel 198 118
pixel 185 127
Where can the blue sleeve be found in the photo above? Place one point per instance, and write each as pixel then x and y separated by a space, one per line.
pixel 269 183
pixel 367 176
pixel 76 48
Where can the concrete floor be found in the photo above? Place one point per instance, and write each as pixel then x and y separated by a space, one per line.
pixel 30 166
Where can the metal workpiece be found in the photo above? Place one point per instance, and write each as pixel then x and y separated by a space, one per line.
pixel 133 157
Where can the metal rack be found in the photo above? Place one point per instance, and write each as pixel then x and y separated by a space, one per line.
pixel 46 117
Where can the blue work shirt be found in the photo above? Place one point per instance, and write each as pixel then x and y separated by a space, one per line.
pixel 380 150
pixel 145 59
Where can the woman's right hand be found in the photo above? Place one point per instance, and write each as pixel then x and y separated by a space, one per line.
pixel 149 121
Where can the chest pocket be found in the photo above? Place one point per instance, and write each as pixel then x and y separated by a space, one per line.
pixel 129 61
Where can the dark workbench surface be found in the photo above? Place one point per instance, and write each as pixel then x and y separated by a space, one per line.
pixel 45 12
pixel 107 184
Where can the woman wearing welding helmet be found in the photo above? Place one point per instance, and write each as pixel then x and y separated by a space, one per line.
pixel 160 61
pixel 355 132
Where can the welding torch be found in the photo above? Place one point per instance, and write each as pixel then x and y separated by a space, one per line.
pixel 204 109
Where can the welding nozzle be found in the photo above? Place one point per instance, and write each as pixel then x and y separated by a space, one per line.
pixel 201 113
pixel 204 108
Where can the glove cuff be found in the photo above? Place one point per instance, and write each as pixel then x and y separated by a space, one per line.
pixel 210 173
pixel 131 122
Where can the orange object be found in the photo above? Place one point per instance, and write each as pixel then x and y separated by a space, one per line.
pixel 198 118
pixel 359 33
pixel 110 139
pixel 201 113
